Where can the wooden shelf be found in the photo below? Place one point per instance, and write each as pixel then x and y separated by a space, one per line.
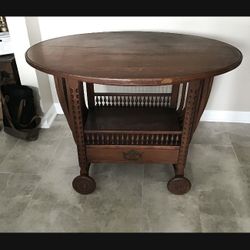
pixel 132 126
pixel 132 119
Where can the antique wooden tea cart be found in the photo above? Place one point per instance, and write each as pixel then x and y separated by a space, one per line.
pixel 133 127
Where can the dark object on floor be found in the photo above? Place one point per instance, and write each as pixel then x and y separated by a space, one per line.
pixel 19 113
pixel 8 75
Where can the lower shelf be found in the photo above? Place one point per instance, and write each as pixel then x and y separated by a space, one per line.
pixel 132 126
pixel 135 119
pixel 132 154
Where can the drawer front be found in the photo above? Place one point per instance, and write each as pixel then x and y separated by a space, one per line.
pixel 133 154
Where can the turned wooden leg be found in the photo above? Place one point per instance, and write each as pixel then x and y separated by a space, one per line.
pixel 71 98
pixel 179 184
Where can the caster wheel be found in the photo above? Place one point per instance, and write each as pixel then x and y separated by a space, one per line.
pixel 84 184
pixel 179 185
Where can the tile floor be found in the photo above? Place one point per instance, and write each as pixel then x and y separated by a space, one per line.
pixel 36 193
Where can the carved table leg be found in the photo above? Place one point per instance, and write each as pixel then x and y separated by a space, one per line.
pixel 204 92
pixel 179 184
pixel 71 97
pixel 61 90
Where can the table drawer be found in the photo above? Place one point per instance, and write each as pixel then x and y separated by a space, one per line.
pixel 134 154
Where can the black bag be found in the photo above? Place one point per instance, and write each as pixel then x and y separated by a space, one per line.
pixel 19 113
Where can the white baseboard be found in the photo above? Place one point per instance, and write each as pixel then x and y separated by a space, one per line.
pixel 49 117
pixel 58 108
pixel 208 115
pixel 225 116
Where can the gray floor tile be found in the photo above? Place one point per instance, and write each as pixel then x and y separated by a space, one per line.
pixel 37 217
pixel 220 224
pixel 213 156
pixel 212 164
pixel 241 145
pixel 14 197
pixel 246 185
pixel 56 186
pixel 29 157
pixel 117 200
pixel 7 143
pixel 65 156
pixel 211 133
pixel 158 172
pixel 244 224
pixel 20 185
pixel 221 202
pixel 165 212
pixel 242 153
pixel 10 211
pixel 3 181
pixel 237 128
pixel 36 193
pixel 218 176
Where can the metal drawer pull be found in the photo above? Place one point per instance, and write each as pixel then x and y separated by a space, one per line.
pixel 132 155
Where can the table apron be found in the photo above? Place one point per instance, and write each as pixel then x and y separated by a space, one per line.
pixel 132 154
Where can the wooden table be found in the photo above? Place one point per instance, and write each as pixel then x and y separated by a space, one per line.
pixel 132 127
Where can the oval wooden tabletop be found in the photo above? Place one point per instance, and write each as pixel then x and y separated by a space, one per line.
pixel 128 58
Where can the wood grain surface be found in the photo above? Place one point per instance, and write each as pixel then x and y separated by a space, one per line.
pixel 134 58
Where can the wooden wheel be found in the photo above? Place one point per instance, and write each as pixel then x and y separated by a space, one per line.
pixel 84 184
pixel 179 185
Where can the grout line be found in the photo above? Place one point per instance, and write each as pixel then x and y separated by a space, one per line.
pixel 23 173
pixel 212 144
pixel 14 146
pixel 234 151
pixel 236 155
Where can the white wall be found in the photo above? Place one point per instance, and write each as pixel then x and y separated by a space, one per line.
pixel 43 79
pixel 230 91
pixel 24 32
pixel 20 43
